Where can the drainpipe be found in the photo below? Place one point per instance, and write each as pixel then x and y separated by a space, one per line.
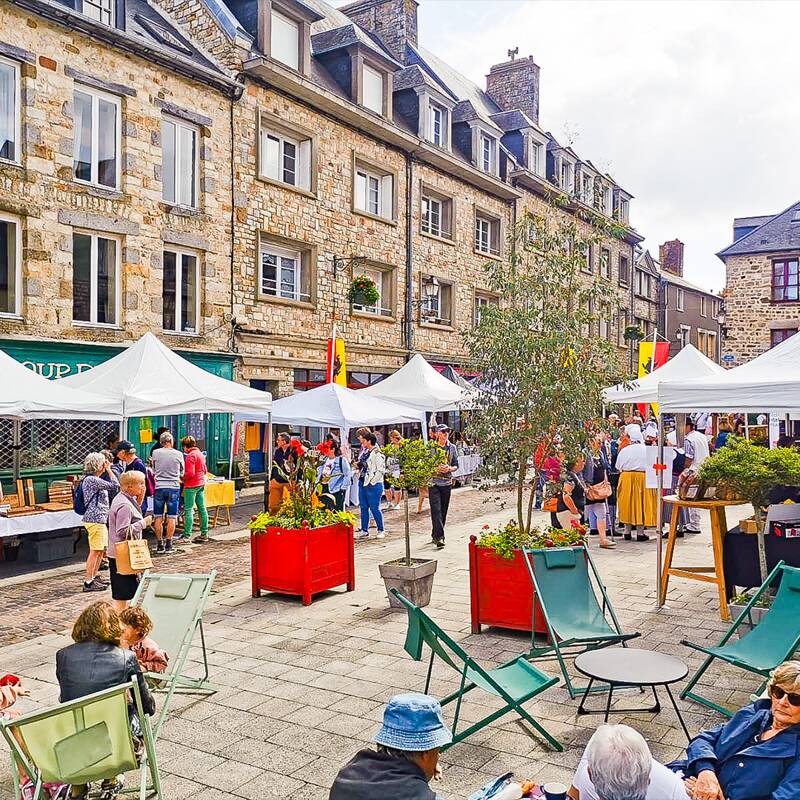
pixel 408 334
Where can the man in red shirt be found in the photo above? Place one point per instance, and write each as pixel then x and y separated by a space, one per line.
pixel 194 489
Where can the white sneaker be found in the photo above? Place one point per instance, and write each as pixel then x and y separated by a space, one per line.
pixel 380 534
pixel 360 536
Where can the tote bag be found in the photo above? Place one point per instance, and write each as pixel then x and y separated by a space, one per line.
pixel 133 555
pixel 598 491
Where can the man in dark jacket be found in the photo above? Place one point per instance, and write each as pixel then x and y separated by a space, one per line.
pixel 407 757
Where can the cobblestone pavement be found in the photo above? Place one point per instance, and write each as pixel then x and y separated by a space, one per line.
pixel 302 689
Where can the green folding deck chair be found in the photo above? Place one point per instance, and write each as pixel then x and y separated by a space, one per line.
pixel 175 604
pixel 562 588
pixel 514 682
pixel 83 741
pixel 767 645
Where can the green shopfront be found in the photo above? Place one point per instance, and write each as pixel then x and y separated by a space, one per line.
pixel 52 449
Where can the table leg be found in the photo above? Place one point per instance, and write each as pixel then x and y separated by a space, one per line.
pixel 677 711
pixel 657 706
pixel 581 709
pixel 673 532
pixel 608 702
pixel 719 527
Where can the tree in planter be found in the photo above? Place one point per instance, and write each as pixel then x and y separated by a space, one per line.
pixel 539 351
pixel 417 462
pixel 750 472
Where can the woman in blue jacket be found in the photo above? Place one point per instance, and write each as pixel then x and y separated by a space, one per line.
pixel 756 754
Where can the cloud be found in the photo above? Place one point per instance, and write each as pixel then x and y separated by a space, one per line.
pixel 692 106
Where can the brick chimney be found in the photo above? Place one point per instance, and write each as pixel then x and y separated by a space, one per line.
pixel 670 254
pixel 394 21
pixel 515 85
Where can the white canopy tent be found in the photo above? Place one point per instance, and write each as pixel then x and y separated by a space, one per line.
pixel 27 395
pixel 689 364
pixel 149 379
pixel 419 385
pixel 334 406
pixel 770 382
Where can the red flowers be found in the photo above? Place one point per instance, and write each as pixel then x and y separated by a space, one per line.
pixel 296 446
pixel 325 449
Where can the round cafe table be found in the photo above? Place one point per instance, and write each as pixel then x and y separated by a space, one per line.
pixel 627 666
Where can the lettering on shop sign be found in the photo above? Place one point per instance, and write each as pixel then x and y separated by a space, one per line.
pixel 54 370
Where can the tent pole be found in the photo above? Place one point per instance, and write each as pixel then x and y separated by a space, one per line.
pixel 123 428
pixel 660 507
pixel 268 472
pixel 17 443
pixel 234 447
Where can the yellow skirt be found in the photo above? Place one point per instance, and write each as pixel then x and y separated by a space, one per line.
pixel 636 504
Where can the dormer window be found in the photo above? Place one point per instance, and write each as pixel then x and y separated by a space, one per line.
pixel 100 10
pixel 437 118
pixel 284 40
pixel 606 201
pixel 487 154
pixel 372 89
pixel 623 210
pixel 567 176
pixel 587 190
pixel 536 164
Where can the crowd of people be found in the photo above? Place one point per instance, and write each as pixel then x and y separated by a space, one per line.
pixel 604 487
pixel 373 472
pixel 753 756
pixel 120 496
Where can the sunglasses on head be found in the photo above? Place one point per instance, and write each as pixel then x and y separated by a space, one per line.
pixel 778 693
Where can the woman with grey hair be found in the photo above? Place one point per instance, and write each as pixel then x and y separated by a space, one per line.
pixel 95 493
pixel 617 765
pixel 756 754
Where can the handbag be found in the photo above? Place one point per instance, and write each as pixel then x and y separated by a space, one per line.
pixel 598 491
pixel 133 555
pixel 551 504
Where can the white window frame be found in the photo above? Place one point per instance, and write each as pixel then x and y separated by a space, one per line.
pixel 483 221
pixel 436 306
pixel 587 189
pixel 686 338
pixel 102 6
pixel 179 254
pixel 425 219
pixel 16 128
pixel 606 201
pixel 704 339
pixel 302 160
pixel 483 140
pixel 433 110
pixel 385 192
pixel 295 25
pixel 567 180
pixel 92 322
pixel 680 299
pixel 267 248
pixel 623 210
pixel 703 306
pixel 377 309
pixel 17 222
pixel 178 150
pixel 481 301
pixel 536 157
pixel 367 69
pixel 97 95
pixel 605 263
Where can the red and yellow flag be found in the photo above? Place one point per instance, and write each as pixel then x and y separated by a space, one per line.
pixel 652 355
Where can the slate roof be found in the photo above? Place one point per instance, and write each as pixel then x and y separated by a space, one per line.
pixel 513 121
pixel 781 232
pixel 410 77
pixel 347 35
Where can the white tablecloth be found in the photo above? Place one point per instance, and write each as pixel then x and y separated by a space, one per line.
pixel 36 523
pixel 467 465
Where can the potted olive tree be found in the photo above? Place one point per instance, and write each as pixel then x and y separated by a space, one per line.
pixel 412 577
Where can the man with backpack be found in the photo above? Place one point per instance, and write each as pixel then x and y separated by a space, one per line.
pixel 91 501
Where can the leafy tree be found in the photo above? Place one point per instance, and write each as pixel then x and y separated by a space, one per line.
pixel 542 361
pixel 750 472
pixel 418 462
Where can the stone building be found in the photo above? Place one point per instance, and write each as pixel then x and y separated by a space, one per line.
pixel 762 298
pixel 218 172
pixel 115 197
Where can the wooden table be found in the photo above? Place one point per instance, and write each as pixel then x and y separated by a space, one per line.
pixel 719 527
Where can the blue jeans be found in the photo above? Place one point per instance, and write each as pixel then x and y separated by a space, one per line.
pixel 372 496
pixel 166 499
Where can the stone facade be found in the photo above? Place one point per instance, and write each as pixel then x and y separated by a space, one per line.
pixel 49 205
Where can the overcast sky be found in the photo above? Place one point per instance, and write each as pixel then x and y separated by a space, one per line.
pixel 691 106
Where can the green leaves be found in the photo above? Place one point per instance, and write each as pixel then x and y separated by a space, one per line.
pixel 418 462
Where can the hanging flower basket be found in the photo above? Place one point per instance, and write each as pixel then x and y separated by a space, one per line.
pixel 633 333
pixel 363 292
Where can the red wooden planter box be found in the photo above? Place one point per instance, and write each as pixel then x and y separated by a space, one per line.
pixel 501 591
pixel 302 561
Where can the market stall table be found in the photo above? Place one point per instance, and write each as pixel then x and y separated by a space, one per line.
pixel 719 526
pixel 38 522
pixel 220 495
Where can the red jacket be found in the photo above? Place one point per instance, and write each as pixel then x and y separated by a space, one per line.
pixel 195 474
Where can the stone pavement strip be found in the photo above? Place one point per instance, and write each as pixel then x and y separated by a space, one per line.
pixel 302 689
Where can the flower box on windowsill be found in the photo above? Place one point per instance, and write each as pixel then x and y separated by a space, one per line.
pixel 501 591
pixel 302 561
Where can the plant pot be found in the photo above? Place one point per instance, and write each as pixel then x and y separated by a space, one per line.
pixel 302 561
pixel 501 591
pixel 359 299
pixel 414 582
pixel 748 623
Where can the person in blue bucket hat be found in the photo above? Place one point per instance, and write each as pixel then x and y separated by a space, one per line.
pixel 407 754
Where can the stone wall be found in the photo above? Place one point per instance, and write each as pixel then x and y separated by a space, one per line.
pixel 750 313
pixel 51 205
